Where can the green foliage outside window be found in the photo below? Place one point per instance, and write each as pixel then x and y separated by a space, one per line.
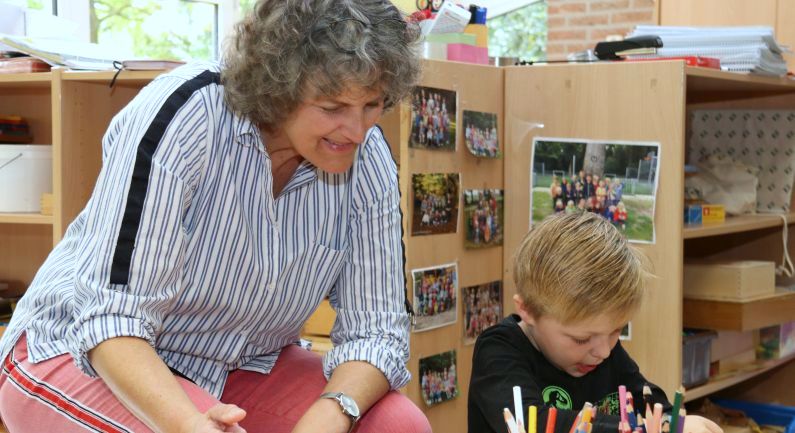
pixel 189 37
pixel 521 33
pixel 36 4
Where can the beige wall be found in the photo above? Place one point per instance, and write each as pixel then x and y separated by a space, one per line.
pixel 576 25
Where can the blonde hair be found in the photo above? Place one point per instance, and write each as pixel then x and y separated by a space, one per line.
pixel 578 266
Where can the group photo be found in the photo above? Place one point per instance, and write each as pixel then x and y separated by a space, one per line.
pixel 615 180
pixel 483 215
pixel 438 378
pixel 435 203
pixel 480 134
pixel 482 308
pixel 435 295
pixel 433 119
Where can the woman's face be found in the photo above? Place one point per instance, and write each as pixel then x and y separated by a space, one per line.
pixel 326 131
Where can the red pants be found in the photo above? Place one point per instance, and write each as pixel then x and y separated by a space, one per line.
pixel 54 396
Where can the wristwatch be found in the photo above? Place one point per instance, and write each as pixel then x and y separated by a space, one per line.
pixel 348 405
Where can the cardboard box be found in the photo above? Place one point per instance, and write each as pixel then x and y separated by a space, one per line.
pixel 776 341
pixel 729 281
pixel 712 213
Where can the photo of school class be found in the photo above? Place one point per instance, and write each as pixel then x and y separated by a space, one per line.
pixel 615 180
pixel 433 113
pixel 438 378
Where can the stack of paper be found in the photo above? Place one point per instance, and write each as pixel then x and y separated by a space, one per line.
pixel 739 49
pixel 57 52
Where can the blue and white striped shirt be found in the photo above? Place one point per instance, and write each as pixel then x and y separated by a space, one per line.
pixel 183 244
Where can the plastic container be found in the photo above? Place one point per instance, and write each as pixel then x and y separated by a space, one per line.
pixel 696 352
pixel 25 174
pixel 764 414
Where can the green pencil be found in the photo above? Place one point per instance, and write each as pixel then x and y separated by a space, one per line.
pixel 675 410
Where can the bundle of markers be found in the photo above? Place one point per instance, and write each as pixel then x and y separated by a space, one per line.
pixel 631 422
pixel 655 421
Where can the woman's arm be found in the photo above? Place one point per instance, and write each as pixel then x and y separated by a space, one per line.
pixel 146 387
pixel 358 380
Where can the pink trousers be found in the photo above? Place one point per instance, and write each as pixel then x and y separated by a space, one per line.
pixel 54 396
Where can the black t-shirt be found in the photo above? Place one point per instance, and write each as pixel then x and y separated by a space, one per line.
pixel 504 357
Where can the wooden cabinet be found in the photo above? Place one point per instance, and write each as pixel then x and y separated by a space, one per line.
pixel 778 14
pixel 71 111
pixel 649 101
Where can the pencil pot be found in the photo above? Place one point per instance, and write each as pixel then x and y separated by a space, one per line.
pixel 25 173
pixel 696 351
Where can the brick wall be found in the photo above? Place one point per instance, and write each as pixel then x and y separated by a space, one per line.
pixel 576 25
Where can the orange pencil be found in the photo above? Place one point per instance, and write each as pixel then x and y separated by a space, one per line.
pixel 552 415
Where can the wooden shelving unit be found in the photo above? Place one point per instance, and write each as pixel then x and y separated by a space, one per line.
pixel 727 381
pixel 739 316
pixel 25 218
pixel 735 224
pixel 650 102
pixel 70 111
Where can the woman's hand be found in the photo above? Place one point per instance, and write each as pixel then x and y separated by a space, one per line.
pixel 698 424
pixel 220 418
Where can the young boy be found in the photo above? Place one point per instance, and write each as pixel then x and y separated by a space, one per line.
pixel 579 283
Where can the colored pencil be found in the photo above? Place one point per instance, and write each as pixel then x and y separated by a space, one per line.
pixel 675 411
pixel 518 407
pixel 680 427
pixel 552 416
pixel 532 419
pixel 633 418
pixel 657 417
pixel 622 407
pixel 510 421
pixel 646 398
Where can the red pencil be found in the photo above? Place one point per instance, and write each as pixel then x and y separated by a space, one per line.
pixel 552 415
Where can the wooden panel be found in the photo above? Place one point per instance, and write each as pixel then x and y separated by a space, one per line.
pixel 718 13
pixel 774 387
pixel 23 248
pixel 633 102
pixel 785 27
pixel 32 103
pixel 717 384
pixel 739 316
pixel 88 107
pixel 479 88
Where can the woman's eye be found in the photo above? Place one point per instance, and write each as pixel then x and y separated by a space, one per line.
pixel 330 109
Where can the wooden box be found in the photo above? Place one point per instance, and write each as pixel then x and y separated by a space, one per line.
pixel 729 281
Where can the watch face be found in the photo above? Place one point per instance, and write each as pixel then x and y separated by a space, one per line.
pixel 349 405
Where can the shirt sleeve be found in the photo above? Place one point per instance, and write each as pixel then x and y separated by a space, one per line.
pixel 141 194
pixel 372 323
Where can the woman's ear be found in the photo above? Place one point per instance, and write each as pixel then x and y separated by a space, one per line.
pixel 522 311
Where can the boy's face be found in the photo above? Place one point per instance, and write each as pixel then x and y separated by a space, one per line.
pixel 576 348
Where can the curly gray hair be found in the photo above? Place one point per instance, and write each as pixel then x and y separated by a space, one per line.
pixel 286 48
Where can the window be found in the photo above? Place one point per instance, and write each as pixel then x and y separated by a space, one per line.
pixel 521 33
pixel 163 29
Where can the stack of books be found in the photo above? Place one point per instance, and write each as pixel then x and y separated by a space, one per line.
pixel 739 49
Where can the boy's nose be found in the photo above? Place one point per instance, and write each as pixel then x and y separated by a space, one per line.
pixel 601 349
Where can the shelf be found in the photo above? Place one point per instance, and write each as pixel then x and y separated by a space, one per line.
pixel 127 77
pixel 708 80
pixel 739 316
pixel 25 218
pixel 29 79
pixel 720 383
pixel 734 224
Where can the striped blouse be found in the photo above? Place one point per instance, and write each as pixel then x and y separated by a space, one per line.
pixel 183 244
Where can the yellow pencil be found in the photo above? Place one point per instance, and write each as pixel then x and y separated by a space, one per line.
pixel 532 419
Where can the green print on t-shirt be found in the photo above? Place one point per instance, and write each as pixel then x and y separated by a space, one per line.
pixel 556 396
pixel 608 405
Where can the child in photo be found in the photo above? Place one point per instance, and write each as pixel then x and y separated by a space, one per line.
pixel 561 347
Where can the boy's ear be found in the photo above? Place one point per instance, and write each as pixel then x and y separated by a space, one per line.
pixel 522 311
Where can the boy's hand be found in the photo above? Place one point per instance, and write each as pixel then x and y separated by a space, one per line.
pixel 698 424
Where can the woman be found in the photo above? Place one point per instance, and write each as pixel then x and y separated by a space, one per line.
pixel 232 199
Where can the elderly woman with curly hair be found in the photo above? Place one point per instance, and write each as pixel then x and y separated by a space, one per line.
pixel 232 199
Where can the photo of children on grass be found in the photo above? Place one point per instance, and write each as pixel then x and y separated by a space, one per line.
pixel 483 216
pixel 438 379
pixel 435 295
pixel 482 308
pixel 480 134
pixel 617 180
pixel 435 203
pixel 433 119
